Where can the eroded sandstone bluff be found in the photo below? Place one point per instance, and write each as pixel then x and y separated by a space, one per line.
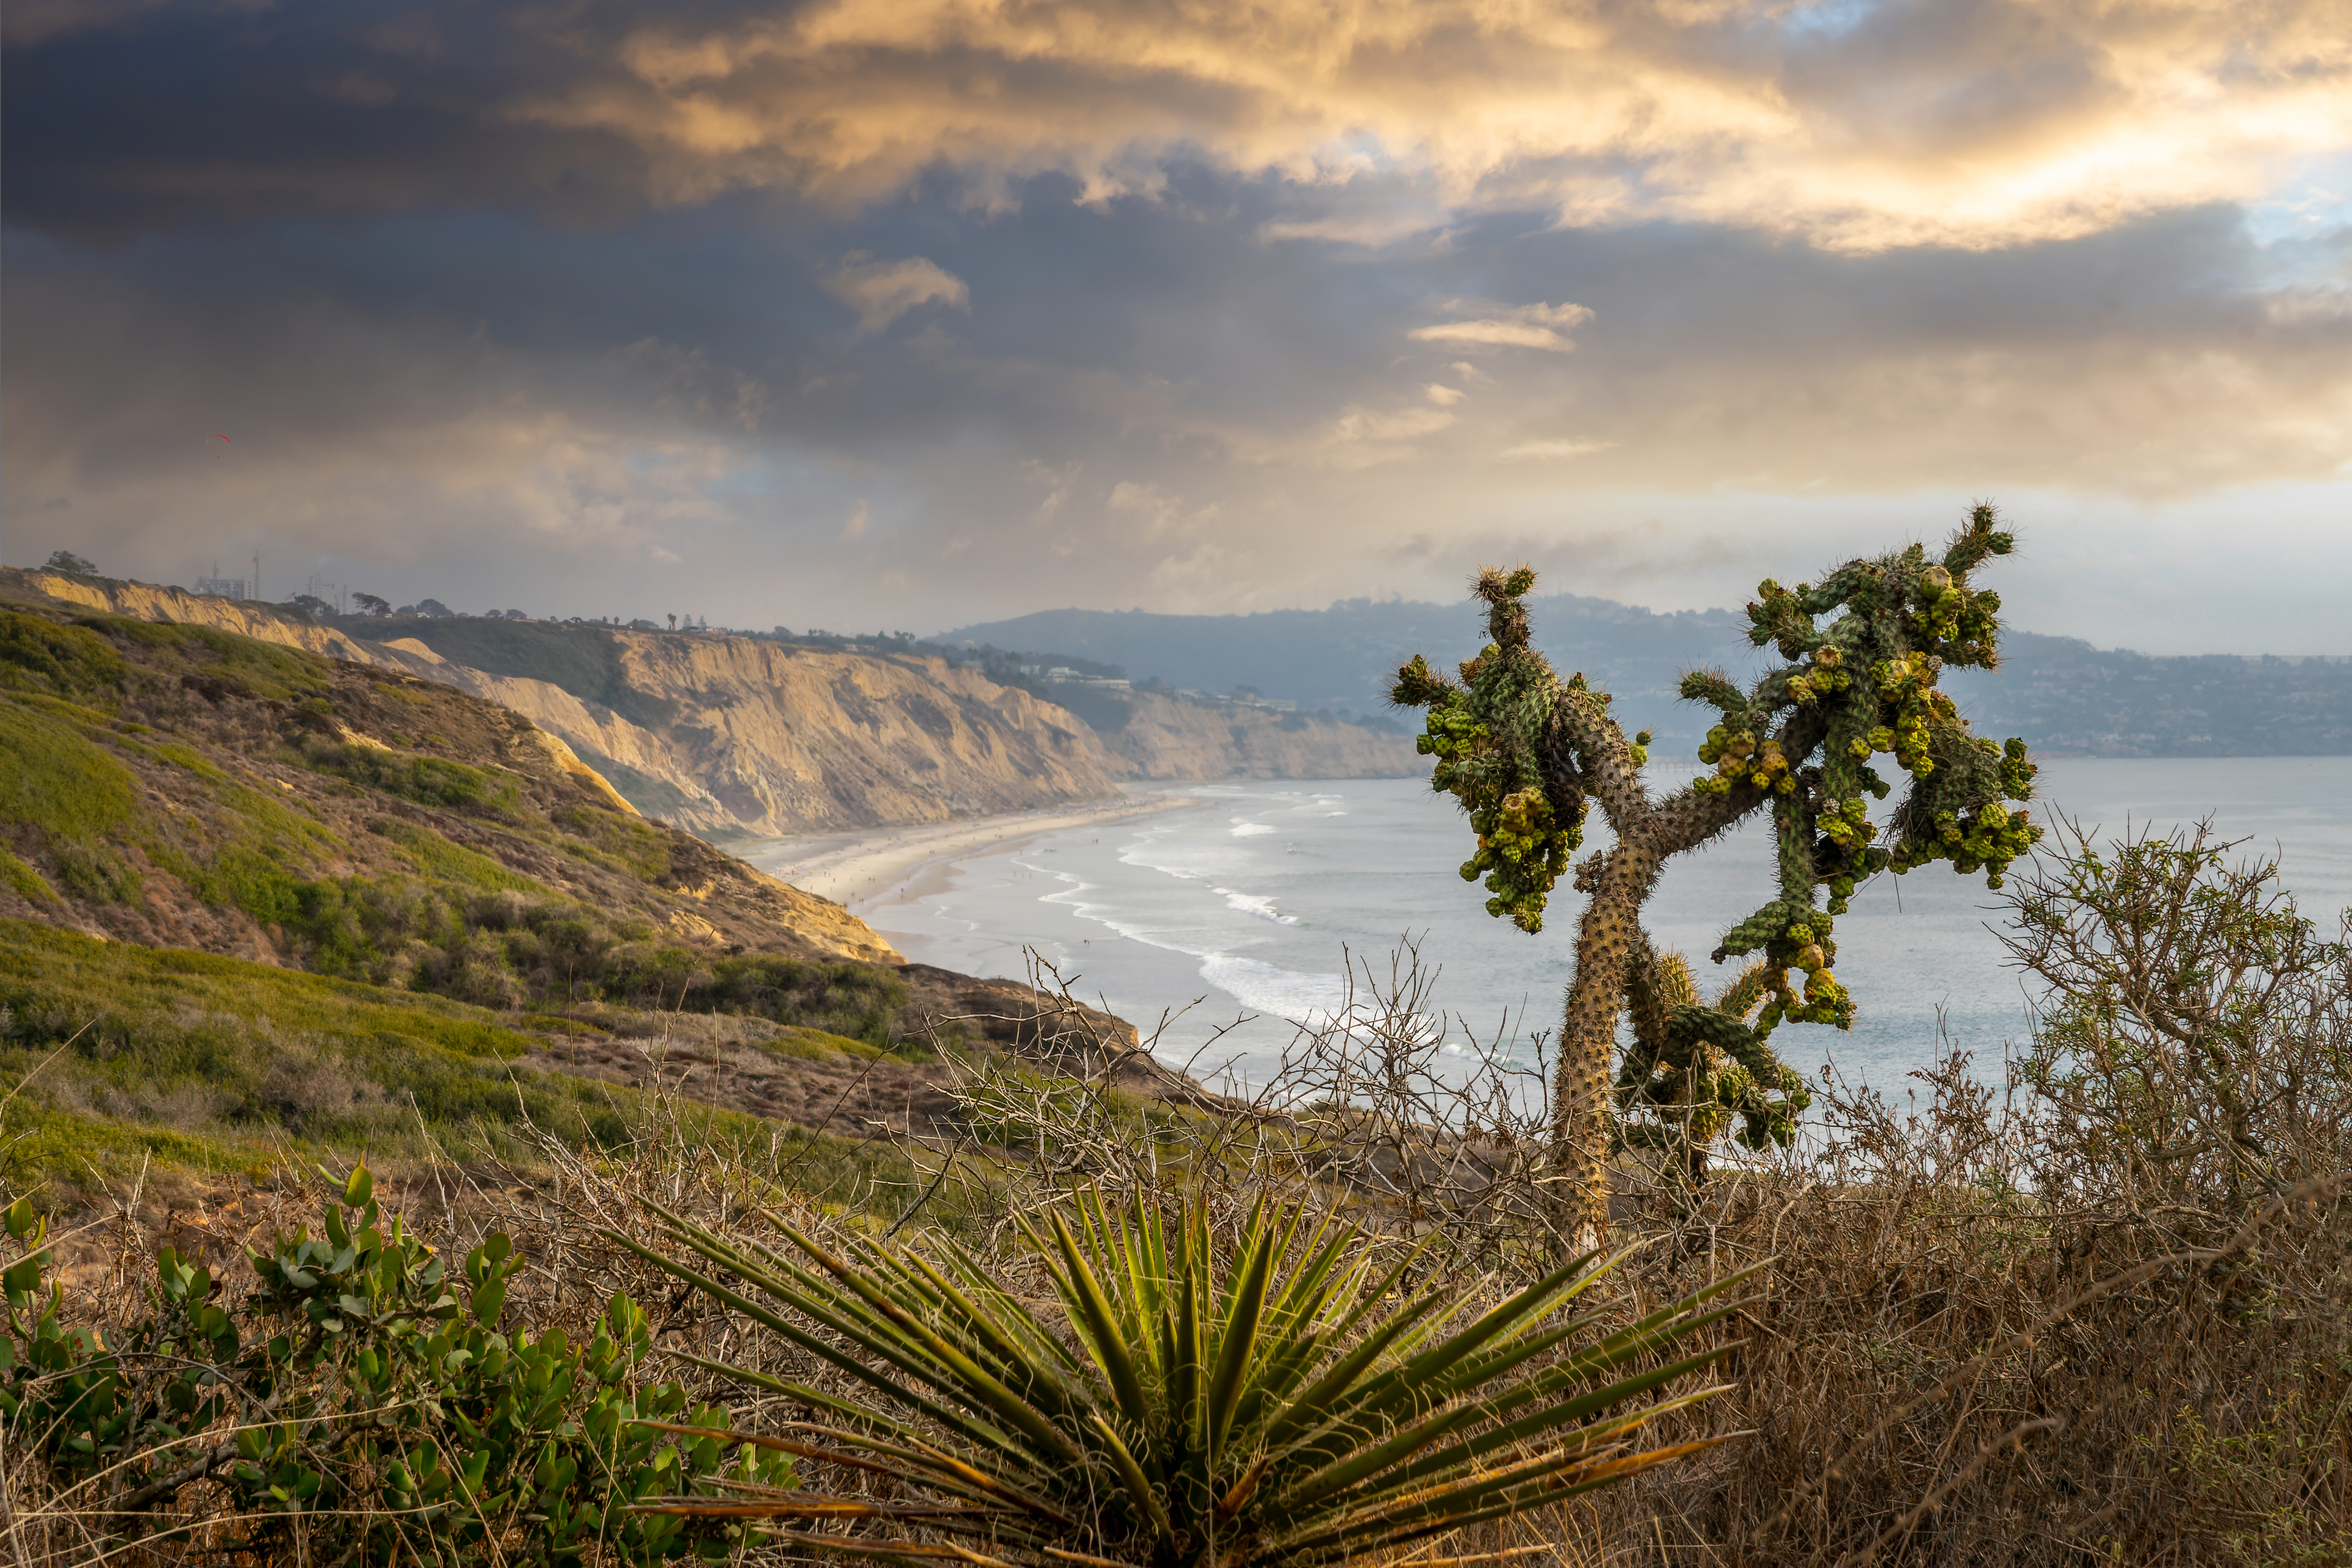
pixel 727 736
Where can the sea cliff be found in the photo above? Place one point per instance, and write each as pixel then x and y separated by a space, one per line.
pixel 735 735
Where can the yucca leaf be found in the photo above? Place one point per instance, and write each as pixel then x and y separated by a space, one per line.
pixel 1414 1374
pixel 1034 1376
pixel 1139 1487
pixel 997 1399
pixel 1102 1328
pixel 1604 1468
pixel 1551 1418
pixel 1311 1408
pixel 1239 1336
pixel 816 1308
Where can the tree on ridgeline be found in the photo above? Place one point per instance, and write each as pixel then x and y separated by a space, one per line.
pixel 1525 753
pixel 71 565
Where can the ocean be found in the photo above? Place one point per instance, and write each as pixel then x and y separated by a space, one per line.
pixel 1240 910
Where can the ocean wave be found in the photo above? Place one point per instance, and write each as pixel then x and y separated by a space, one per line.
pixel 1244 828
pixel 1251 904
pixel 1262 987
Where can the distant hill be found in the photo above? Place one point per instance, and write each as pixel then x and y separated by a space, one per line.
pixel 1341 658
pixel 2063 696
pixel 2069 698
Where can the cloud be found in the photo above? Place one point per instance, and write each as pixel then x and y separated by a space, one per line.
pixel 882 292
pixel 1978 124
pixel 527 299
pixel 1557 449
pixel 1988 124
pixel 1528 327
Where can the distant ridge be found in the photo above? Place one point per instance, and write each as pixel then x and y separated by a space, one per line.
pixel 1341 658
pixel 2063 696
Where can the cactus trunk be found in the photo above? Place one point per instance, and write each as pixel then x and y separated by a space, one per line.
pixel 1607 938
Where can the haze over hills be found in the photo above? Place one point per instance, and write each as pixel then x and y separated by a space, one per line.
pixel 2063 696
pixel 1342 658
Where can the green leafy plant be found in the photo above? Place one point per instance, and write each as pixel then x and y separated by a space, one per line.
pixel 361 1404
pixel 1526 753
pixel 1297 1405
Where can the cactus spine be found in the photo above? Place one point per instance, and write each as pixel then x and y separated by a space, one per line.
pixel 1526 753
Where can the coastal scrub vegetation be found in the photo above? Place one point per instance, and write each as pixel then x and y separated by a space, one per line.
pixel 178 787
pixel 2091 1309
pixel 2097 1312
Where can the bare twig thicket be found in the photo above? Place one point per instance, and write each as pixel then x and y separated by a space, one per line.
pixel 2095 1313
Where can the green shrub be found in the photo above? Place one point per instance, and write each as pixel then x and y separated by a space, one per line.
pixel 54 778
pixel 24 881
pixel 436 858
pixel 853 999
pixel 360 1406
pixel 609 839
pixel 37 654
pixel 428 781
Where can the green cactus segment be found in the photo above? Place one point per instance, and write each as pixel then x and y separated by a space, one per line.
pixel 1866 681
pixel 1694 1069
pixel 1488 735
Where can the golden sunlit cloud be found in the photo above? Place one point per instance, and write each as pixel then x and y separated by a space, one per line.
pixel 882 292
pixel 1858 128
pixel 1528 327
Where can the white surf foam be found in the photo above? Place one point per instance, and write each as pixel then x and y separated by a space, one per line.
pixel 1262 909
pixel 1281 992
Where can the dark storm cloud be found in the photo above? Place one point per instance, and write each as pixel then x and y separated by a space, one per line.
pixel 918 310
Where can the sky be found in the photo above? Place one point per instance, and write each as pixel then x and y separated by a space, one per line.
pixel 905 314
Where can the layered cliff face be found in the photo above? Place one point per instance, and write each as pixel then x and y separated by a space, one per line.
pixel 179 787
pixel 719 735
pixel 1171 738
pixel 736 736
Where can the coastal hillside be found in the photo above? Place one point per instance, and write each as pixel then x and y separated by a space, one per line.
pixel 736 736
pixel 179 786
pixel 257 902
pixel 720 735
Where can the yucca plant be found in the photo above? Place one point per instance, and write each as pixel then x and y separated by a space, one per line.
pixel 1301 1406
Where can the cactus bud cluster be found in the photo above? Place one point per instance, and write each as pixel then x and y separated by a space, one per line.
pixel 1741 758
pixel 1486 734
pixel 1693 1068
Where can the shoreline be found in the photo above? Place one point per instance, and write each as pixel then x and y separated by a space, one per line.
pixel 872 867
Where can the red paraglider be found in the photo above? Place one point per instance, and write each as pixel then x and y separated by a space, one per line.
pixel 222 447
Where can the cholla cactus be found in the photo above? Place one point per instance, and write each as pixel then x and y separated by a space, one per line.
pixel 1695 1069
pixel 1525 753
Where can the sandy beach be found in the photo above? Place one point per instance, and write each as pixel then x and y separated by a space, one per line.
pixel 877 866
